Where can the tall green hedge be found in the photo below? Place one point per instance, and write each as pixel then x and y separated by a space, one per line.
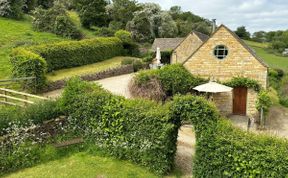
pixel 137 130
pixel 28 64
pixel 36 60
pixel 77 53
pixel 225 151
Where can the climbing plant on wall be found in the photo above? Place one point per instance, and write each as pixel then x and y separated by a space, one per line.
pixel 244 82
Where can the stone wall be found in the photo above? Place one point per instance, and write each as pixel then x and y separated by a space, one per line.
pixel 186 49
pixel 251 103
pixel 239 62
pixel 224 102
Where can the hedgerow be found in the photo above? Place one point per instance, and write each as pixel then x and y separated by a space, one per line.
pixel 28 64
pixel 77 53
pixel 137 130
pixel 225 151
pixel 36 60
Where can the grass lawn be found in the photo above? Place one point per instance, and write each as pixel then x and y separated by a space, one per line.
pixel 272 60
pixel 86 69
pixel 84 165
pixel 14 33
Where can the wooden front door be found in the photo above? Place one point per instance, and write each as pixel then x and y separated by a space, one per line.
pixel 239 100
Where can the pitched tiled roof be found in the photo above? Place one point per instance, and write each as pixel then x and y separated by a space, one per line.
pixel 201 36
pixel 166 44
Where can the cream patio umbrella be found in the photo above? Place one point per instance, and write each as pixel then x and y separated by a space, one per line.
pixel 213 87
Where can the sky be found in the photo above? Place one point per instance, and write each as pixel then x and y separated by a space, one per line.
pixel 256 15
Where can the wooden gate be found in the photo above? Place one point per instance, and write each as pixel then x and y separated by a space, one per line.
pixel 239 100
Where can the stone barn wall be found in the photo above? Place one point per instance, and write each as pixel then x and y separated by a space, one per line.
pixel 185 49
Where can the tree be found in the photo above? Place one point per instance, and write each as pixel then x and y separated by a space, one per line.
pixel 46 4
pixel 92 12
pixel 121 11
pixel 259 36
pixel 243 33
pixel 12 8
pixel 150 22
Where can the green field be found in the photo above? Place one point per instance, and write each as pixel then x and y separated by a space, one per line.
pixel 84 165
pixel 14 33
pixel 86 69
pixel 272 60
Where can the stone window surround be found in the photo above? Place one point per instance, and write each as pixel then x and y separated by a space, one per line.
pixel 219 47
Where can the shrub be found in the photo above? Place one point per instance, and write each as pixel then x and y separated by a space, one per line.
pixel 149 56
pixel 124 36
pixel 28 64
pixel 225 151
pixel 104 32
pixel 174 79
pixel 12 8
pixel 137 130
pixel 55 20
pixel 64 27
pixel 263 102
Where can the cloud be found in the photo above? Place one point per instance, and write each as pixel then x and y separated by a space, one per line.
pixel 256 15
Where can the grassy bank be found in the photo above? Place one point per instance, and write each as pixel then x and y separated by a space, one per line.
pixel 271 59
pixel 86 69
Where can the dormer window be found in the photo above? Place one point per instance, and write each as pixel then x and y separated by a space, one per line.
pixel 220 52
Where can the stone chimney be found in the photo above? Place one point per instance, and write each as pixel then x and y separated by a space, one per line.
pixel 213 25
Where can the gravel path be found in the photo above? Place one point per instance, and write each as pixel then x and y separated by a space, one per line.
pixel 117 85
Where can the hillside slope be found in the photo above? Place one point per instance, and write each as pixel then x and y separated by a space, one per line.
pixel 271 59
pixel 15 33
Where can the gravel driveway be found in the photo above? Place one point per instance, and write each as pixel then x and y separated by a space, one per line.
pixel 117 85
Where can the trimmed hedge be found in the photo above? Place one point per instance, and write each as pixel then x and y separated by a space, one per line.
pixel 137 130
pixel 35 60
pixel 77 53
pixel 28 64
pixel 225 151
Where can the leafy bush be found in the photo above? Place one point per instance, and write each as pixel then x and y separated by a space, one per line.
pixel 12 8
pixel 55 20
pixel 29 64
pixel 174 79
pixel 225 151
pixel 65 27
pixel 124 36
pixel 149 56
pixel 137 130
pixel 263 102
pixel 104 32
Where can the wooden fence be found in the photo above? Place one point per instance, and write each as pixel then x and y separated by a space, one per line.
pixel 15 98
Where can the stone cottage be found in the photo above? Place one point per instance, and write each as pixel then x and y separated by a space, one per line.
pixel 221 57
